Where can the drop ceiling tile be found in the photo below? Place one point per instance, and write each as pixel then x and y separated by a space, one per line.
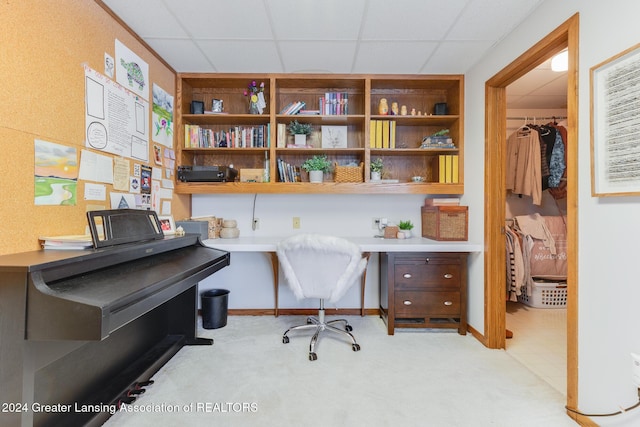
pixel 156 21
pixel 409 19
pixel 456 57
pixel 323 57
pixel 242 56
pixel 392 57
pixel 183 55
pixel 534 79
pixel 480 21
pixel 237 19
pixel 312 20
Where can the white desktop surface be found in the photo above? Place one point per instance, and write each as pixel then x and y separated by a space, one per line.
pixel 367 244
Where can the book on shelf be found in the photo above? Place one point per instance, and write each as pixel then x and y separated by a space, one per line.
pixel 293 108
pixel 448 168
pixel 334 103
pixel 234 137
pixel 287 172
pixel 382 134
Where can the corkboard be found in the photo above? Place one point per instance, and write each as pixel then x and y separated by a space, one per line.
pixel 44 50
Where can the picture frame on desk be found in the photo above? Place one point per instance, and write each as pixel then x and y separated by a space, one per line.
pixel 167 224
pixel 334 136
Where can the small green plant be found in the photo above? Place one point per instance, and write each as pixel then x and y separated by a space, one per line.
pixel 297 128
pixel 405 225
pixel 376 165
pixel 317 163
pixel 442 132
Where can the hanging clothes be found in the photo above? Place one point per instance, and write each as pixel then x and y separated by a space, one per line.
pixel 524 175
pixel 560 191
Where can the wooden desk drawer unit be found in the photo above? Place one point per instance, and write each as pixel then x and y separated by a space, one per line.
pixel 423 290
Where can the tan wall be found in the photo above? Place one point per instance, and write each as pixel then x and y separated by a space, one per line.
pixel 44 47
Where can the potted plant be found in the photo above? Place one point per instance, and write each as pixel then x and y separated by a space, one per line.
pixel 406 227
pixel 317 166
pixel 300 131
pixel 376 169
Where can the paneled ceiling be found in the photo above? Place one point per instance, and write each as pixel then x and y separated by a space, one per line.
pixel 333 36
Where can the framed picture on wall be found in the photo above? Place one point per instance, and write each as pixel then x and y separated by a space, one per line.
pixel 615 125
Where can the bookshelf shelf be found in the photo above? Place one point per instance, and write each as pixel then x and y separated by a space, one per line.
pixel 359 96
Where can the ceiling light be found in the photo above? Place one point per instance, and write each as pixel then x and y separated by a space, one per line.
pixel 560 62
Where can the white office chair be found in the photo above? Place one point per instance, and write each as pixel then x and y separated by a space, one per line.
pixel 323 267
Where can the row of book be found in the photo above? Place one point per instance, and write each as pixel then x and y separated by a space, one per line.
pixel 382 134
pixel 335 104
pixel 448 168
pixel 235 137
pixel 331 104
pixel 288 172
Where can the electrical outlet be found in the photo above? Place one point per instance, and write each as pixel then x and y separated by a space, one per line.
pixel 296 222
pixel 256 223
pixel 375 223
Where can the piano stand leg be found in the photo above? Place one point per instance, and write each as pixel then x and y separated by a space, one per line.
pixel 199 341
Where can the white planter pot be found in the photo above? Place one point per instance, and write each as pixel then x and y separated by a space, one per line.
pixel 300 140
pixel 316 176
pixel 375 176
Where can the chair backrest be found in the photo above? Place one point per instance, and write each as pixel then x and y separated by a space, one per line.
pixel 319 266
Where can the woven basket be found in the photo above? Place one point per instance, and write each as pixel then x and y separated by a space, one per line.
pixel 349 173
pixel 445 222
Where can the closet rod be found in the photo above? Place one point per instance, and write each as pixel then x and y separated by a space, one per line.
pixel 537 118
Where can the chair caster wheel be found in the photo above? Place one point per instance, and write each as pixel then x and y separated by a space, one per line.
pixel 348 328
pixel 313 356
pixel 355 347
pixel 309 321
pixel 285 340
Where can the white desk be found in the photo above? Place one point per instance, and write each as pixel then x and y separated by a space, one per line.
pixel 268 245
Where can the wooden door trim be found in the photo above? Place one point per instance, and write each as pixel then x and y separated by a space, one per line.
pixel 565 36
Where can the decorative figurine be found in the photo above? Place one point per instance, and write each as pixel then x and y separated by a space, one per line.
pixel 413 111
pixel 394 108
pixel 383 107
pixel 403 110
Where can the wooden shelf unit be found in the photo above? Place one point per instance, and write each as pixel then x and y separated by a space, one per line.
pixel 364 92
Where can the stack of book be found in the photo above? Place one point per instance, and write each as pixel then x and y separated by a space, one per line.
pixel 287 172
pixel 442 201
pixel 448 168
pixel 382 134
pixel 335 103
pixel 72 242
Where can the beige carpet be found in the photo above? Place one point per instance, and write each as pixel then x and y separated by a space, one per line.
pixel 414 378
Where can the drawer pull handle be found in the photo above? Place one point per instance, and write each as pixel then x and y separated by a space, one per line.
pixel 406 302
pixel 448 303
pixel 448 276
pixel 406 276
pixel 426 261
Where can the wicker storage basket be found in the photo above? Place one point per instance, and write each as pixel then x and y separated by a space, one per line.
pixel 445 222
pixel 349 173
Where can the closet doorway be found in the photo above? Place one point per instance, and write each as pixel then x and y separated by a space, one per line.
pixel 563 37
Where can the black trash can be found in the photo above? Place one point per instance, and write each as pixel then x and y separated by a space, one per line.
pixel 214 305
